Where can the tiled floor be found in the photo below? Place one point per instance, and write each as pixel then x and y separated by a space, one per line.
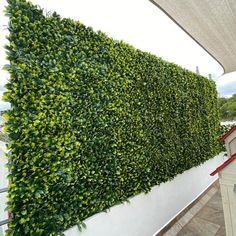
pixel 205 218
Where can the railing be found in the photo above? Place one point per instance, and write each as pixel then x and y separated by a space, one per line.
pixel 5 217
pixel 5 221
pixel 3 190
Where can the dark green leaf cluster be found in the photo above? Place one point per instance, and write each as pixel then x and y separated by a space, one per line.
pixel 94 121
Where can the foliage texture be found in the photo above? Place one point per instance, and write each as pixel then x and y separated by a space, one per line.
pixel 94 121
pixel 227 107
pixel 223 130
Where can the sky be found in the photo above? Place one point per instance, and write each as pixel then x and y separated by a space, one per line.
pixel 137 22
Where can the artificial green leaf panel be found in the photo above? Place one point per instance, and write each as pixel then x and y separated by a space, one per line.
pixel 94 121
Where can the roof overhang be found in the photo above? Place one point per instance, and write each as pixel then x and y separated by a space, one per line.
pixel 227 134
pixel 212 24
pixel 226 163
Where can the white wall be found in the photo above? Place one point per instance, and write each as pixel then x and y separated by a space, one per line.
pixel 227 182
pixel 147 214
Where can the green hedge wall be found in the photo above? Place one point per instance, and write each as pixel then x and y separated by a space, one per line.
pixel 94 121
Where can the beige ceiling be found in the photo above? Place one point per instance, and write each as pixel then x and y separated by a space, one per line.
pixel 211 23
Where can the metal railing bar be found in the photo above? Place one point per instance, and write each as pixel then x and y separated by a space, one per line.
pixel 4 222
pixel 3 190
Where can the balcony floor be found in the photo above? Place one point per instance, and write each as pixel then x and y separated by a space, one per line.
pixel 205 218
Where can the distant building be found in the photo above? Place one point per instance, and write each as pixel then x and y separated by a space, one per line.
pixel 197 70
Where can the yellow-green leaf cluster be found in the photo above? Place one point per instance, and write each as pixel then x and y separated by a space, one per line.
pixel 94 121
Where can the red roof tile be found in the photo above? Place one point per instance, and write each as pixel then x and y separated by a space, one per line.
pixel 228 133
pixel 226 163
